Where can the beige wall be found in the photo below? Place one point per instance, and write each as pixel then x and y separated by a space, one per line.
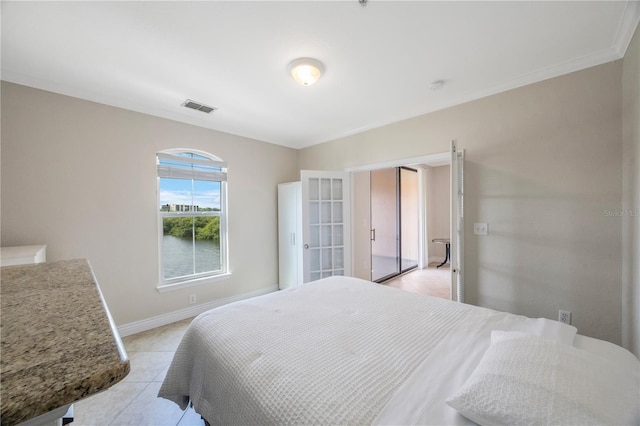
pixel 80 177
pixel 631 196
pixel 438 210
pixel 543 164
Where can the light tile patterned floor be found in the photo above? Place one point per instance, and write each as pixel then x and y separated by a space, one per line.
pixel 134 401
pixel 432 281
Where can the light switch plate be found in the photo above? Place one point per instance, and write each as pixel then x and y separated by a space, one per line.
pixel 480 229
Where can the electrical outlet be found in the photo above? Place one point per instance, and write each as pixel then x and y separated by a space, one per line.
pixel 564 316
pixel 192 299
pixel 480 229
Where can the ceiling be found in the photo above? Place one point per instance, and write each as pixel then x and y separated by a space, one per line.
pixel 380 60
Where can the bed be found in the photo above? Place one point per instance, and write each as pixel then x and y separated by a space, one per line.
pixel 347 351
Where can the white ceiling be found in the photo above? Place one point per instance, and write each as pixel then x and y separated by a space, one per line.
pixel 380 59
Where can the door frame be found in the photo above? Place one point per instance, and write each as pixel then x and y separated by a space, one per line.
pixel 433 160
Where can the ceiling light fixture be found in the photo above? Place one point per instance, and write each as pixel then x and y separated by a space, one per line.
pixel 306 71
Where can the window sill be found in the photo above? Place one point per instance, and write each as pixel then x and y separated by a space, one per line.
pixel 191 283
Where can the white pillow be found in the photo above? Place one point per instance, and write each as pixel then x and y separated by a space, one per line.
pixel 528 380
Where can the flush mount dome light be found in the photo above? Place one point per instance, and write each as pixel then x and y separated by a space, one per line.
pixel 306 71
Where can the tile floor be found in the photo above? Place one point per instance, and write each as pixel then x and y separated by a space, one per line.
pixel 134 401
pixel 432 281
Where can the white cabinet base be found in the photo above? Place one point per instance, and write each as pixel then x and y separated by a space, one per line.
pixel 21 255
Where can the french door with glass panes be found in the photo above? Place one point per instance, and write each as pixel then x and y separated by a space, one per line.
pixel 326 230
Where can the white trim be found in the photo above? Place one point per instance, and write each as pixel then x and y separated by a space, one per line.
pixel 214 158
pixel 434 160
pixel 627 28
pixel 164 155
pixel 423 248
pixel 192 311
pixel 194 279
pixel 177 285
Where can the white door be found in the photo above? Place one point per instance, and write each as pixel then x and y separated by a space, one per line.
pixel 290 234
pixel 326 231
pixel 457 223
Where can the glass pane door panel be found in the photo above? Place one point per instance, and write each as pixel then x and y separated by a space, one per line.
pixel 325 236
pixel 314 234
pixel 327 259
pixel 409 218
pixel 325 212
pixel 338 237
pixel 384 219
pixel 337 212
pixel 325 189
pixel 338 258
pixel 315 259
pixel 337 189
pixel 314 213
pixel 314 189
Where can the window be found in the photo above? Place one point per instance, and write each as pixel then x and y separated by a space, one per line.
pixel 192 219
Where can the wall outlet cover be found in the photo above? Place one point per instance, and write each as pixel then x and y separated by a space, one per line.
pixel 480 229
pixel 564 316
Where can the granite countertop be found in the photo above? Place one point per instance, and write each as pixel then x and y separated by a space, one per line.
pixel 59 343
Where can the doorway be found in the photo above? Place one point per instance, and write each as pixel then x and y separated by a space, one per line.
pixel 434 277
pixel 428 252
pixel 394 222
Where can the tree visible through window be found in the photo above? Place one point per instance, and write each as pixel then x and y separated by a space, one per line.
pixel 191 201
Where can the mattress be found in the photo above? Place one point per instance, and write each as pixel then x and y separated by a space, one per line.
pixel 339 351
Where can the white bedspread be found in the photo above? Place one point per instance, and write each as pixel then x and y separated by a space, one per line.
pixel 337 351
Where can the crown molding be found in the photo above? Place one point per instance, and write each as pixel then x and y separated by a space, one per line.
pixel 627 28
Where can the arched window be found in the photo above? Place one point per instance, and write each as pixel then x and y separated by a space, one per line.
pixel 192 220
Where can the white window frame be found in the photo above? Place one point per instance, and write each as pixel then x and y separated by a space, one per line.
pixel 203 277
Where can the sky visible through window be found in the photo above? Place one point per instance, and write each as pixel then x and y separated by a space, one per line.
pixel 206 194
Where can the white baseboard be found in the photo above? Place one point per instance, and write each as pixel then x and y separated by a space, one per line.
pixel 190 312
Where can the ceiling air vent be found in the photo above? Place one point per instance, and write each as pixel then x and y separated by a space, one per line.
pixel 198 106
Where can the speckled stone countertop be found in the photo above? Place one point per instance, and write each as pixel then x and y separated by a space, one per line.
pixel 58 341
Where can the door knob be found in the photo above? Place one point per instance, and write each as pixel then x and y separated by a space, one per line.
pixel 306 246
